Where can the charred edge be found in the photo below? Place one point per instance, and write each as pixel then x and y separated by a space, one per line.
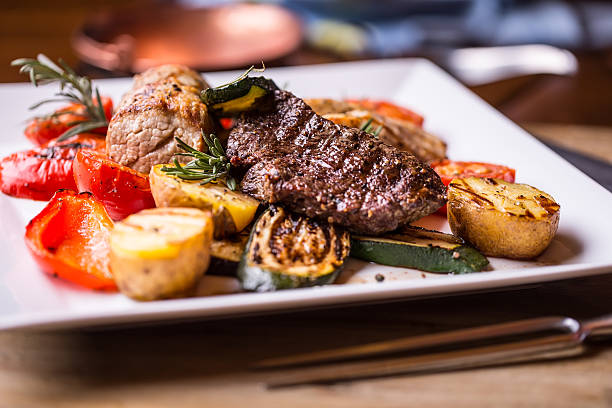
pixel 475 197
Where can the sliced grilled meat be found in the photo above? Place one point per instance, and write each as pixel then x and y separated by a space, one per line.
pixel 164 103
pixel 402 134
pixel 315 167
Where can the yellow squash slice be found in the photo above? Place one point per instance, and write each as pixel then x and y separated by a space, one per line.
pixel 232 210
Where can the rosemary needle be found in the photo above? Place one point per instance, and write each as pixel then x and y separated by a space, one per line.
pixel 368 128
pixel 206 167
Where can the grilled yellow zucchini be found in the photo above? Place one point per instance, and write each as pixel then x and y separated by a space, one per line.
pixel 500 218
pixel 225 254
pixel 161 252
pixel 232 210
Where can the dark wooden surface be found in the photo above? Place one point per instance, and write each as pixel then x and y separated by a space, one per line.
pixel 206 363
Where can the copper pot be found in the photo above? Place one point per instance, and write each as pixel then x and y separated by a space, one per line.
pixel 231 36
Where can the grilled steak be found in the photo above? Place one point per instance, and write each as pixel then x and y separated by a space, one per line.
pixel 315 167
pixel 164 103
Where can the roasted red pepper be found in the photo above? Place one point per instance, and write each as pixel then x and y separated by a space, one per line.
pixel 226 123
pixel 45 129
pixel 70 239
pixel 38 173
pixel 449 170
pixel 123 191
pixel 389 109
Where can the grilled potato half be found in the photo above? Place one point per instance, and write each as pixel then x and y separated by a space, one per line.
pixel 500 218
pixel 161 252
pixel 232 210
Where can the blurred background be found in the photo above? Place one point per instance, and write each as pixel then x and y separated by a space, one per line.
pixel 545 64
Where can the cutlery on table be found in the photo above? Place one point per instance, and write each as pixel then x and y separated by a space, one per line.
pixel 520 341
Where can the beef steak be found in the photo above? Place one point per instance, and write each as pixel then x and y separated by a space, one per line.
pixel 296 158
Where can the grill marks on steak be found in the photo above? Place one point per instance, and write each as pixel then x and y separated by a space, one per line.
pixel 342 175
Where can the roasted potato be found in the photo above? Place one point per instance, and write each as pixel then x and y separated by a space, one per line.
pixel 500 218
pixel 161 252
pixel 232 210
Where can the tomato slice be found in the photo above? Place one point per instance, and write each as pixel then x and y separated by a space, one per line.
pixel 45 129
pixel 389 109
pixel 38 173
pixel 70 239
pixel 449 170
pixel 123 191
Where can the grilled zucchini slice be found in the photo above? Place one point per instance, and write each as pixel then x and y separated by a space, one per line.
pixel 232 210
pixel 500 218
pixel 161 252
pixel 246 93
pixel 422 249
pixel 288 251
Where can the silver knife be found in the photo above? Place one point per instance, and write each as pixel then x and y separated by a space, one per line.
pixel 525 340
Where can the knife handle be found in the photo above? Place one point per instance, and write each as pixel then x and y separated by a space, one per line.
pixel 598 328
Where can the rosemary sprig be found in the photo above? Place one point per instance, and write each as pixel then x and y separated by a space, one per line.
pixel 73 88
pixel 207 167
pixel 368 128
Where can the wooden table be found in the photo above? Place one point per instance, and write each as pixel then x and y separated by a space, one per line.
pixel 202 364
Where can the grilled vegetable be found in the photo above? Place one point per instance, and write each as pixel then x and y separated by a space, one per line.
pixel 290 251
pixel 389 109
pixel 160 253
pixel 44 129
pixel 38 173
pixel 241 95
pixel 229 249
pixel 226 254
pixel 501 218
pixel 123 191
pixel 232 210
pixel 69 239
pixel 422 249
pixel 449 170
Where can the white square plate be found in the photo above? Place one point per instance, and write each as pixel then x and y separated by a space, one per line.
pixel 473 131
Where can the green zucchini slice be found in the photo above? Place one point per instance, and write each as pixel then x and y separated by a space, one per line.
pixel 419 248
pixel 287 251
pixel 244 94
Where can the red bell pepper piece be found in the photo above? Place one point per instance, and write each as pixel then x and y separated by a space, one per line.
pixel 70 239
pixel 38 173
pixel 389 109
pixel 123 191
